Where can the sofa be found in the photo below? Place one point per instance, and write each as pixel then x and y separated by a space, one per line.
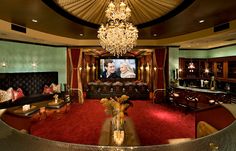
pixel 32 84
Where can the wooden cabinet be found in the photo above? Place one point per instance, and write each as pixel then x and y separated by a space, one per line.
pixel 194 68
pixel 232 69
pixel 223 68
pixel 219 69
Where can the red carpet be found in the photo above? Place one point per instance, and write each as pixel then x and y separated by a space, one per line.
pixel 154 123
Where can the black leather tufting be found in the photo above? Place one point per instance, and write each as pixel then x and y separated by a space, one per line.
pixel 29 82
pixel 32 84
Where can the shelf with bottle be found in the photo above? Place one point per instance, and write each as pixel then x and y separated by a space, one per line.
pixel 194 68
pixel 232 69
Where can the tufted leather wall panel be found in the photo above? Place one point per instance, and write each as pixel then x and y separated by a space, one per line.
pixel 29 82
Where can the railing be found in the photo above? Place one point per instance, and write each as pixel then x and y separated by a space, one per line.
pixel 14 140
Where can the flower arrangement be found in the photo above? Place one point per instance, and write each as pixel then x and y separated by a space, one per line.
pixel 117 107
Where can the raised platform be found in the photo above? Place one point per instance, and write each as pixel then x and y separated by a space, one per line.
pixel 14 140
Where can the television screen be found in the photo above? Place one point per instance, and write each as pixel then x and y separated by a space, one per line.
pixel 118 68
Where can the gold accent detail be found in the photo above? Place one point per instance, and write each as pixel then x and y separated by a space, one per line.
pixel 214 147
pixel 94 10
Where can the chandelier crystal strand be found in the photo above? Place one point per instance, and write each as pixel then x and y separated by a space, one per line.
pixel 118 36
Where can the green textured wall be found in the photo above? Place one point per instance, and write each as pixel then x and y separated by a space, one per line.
pixel 214 53
pixel 19 58
pixel 222 52
pixel 193 53
pixel 173 61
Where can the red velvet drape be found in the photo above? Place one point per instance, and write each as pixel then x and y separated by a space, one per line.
pixel 160 55
pixel 75 60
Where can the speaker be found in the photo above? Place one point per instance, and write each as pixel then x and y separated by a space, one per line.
pixel 18 28
pixel 221 27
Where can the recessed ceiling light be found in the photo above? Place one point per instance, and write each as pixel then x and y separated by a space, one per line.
pixel 154 35
pixel 81 35
pixel 34 20
pixel 201 21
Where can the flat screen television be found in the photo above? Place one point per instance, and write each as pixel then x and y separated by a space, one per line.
pixel 118 68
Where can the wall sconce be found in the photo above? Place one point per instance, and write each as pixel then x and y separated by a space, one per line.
pixel 34 65
pixel 4 64
pixel 141 68
pixel 206 70
pixel 155 68
pixel 147 67
pixel 94 67
pixel 80 68
pixel 88 67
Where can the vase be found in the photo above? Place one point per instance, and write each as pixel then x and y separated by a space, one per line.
pixel 118 130
pixel 117 123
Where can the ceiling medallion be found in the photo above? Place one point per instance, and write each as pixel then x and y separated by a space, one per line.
pixel 118 36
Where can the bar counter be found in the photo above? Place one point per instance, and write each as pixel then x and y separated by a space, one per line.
pixel 200 90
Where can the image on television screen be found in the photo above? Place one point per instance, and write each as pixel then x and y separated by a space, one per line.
pixel 118 68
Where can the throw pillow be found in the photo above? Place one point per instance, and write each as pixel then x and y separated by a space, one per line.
pixel 47 90
pixel 17 94
pixel 56 88
pixel 6 95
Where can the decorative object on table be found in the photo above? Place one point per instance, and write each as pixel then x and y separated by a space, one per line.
pixel 25 107
pixel 202 83
pixel 55 98
pixel 212 83
pixel 56 102
pixel 117 107
pixel 205 82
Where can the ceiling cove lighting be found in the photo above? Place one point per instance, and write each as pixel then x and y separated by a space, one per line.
pixel 118 36
pixel 34 20
pixel 154 35
pixel 201 21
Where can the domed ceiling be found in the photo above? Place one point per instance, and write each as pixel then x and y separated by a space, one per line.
pixel 160 22
pixel 143 11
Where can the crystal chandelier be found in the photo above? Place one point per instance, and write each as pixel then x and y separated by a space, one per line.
pixel 118 36
pixel 191 67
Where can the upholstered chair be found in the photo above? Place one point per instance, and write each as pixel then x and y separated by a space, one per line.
pixel 92 91
pixel 105 89
pixel 117 88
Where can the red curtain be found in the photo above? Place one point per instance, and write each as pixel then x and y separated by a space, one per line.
pixel 75 60
pixel 160 55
